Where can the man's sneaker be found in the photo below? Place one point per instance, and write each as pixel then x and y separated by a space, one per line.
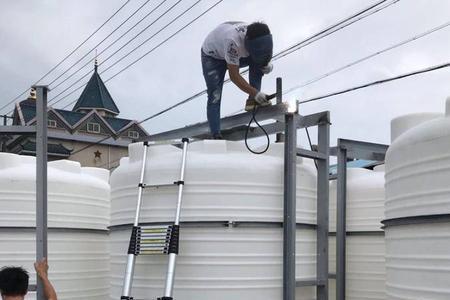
pixel 217 136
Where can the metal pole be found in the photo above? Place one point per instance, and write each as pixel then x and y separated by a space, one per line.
pixel 322 211
pixel 341 206
pixel 279 136
pixel 289 221
pixel 173 256
pixel 41 180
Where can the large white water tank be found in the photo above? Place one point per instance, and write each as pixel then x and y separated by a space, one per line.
pixel 224 184
pixel 78 217
pixel 416 209
pixel 365 278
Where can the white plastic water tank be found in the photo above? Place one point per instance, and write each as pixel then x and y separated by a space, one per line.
pixel 417 196
pixel 78 216
pixel 224 183
pixel 365 278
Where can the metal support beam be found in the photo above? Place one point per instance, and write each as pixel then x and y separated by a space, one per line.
pixel 361 150
pixel 323 208
pixel 202 129
pixel 289 208
pixel 341 226
pixel 41 180
pixel 310 154
pixel 279 136
pixel 17 129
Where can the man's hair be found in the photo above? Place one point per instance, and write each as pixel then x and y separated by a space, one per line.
pixel 13 281
pixel 256 30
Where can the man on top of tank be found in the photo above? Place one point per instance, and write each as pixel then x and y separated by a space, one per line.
pixel 14 282
pixel 230 46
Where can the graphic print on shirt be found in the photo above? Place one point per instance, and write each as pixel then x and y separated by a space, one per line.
pixel 232 54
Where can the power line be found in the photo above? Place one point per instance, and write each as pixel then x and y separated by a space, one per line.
pixel 228 80
pixel 154 48
pixel 72 52
pixel 315 37
pixel 185 26
pixel 358 61
pixel 337 27
pixel 90 71
pixel 95 47
pixel 426 70
pixel 119 38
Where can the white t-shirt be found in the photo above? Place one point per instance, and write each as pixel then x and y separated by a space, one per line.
pixel 227 42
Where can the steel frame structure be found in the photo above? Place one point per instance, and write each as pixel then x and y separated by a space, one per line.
pixel 348 149
pixel 284 120
pixel 40 130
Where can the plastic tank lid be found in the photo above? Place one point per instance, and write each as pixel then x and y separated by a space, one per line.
pixel 404 123
pixel 9 160
pixel 102 174
pixel 66 165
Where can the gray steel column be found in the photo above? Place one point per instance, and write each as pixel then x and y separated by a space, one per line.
pixel 41 180
pixel 322 211
pixel 289 221
pixel 279 136
pixel 341 205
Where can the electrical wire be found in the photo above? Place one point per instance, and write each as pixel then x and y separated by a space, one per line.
pixel 67 56
pixel 125 44
pixel 150 51
pixel 315 37
pixel 226 81
pixel 377 82
pixel 185 26
pixel 358 61
pixel 95 47
pixel 90 71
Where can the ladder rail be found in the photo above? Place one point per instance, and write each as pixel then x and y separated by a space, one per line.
pixel 173 256
pixel 131 257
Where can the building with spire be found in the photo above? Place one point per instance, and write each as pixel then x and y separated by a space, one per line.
pixel 93 118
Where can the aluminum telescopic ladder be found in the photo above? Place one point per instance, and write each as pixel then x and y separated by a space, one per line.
pixel 155 239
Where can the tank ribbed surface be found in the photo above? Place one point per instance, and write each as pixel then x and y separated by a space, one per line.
pixel 78 205
pixel 366 273
pixel 223 182
pixel 417 188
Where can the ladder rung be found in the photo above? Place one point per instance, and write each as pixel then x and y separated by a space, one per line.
pixel 157 186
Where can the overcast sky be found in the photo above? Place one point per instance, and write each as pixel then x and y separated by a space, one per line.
pixel 37 34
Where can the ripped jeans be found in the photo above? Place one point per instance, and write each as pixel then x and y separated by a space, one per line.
pixel 214 72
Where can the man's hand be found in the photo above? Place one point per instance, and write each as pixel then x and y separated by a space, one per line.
pixel 267 69
pixel 41 268
pixel 42 271
pixel 261 99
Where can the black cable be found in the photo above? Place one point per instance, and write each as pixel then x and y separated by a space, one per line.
pixel 65 58
pixel 430 69
pixel 253 118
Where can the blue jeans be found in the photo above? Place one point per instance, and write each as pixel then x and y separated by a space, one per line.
pixel 214 72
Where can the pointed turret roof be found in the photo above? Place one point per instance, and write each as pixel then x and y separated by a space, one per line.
pixel 96 96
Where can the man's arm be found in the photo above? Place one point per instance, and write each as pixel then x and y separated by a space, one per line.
pixel 42 271
pixel 240 82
